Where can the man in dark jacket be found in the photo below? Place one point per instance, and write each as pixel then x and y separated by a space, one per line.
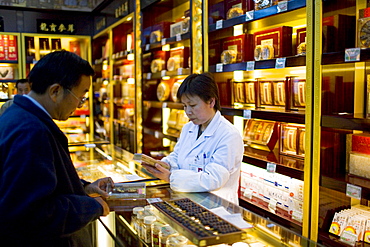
pixel 42 200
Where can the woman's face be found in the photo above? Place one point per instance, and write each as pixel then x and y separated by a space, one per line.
pixel 198 111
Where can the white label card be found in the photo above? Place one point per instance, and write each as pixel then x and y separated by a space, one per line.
pixel 282 6
pixel 148 76
pixel 90 145
pixel 179 71
pixel 219 24
pixel 147 47
pixel 280 63
pixel 297 215
pixel 178 37
pixel 163 73
pixel 353 191
pixel 247 114
pixel 348 238
pixel 272 205
pixel 271 167
pixel 219 67
pixel 163 41
pixel 153 200
pixel 164 105
pixel 249 15
pixel 248 194
pixel 352 54
pixel 250 65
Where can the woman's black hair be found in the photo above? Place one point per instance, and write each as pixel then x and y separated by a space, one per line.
pixel 201 85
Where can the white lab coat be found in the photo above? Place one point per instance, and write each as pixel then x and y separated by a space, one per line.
pixel 211 163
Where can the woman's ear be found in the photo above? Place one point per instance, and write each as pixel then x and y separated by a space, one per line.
pixel 212 102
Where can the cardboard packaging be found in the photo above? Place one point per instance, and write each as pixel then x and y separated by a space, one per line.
pixel 280 38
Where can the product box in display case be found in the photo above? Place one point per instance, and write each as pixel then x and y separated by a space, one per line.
pixel 235 8
pixel 262 4
pixel 146 62
pixel 301 38
pixel 160 31
pixel 265 93
pixel 159 61
pixel 242 45
pixel 261 134
pixel 342 35
pixel 214 52
pixel 359 155
pixel 239 92
pixel 8 47
pixel 150 89
pixel 216 12
pixel 164 89
pixel 225 89
pixel 249 87
pixel 179 58
pixel 292 140
pixel 279 93
pixel 279 38
pixel 295 89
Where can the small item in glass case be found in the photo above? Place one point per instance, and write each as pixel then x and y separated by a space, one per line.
pixel 155 36
pixel 176 28
pixel 174 89
pixel 260 134
pixel 279 93
pixel 186 25
pixel 299 93
pixel 364 32
pixel 163 91
pixel 156 65
pixel 234 12
pixel 266 93
pixel 228 56
pixel 267 52
pixel 173 63
pixel 301 49
pixel 292 140
pixel 129 190
pixel 258 53
pixel 249 93
pixel 239 92
pixel 261 4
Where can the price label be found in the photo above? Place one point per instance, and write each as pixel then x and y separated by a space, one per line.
pixel 280 63
pixel 153 200
pixel 247 114
pixel 352 54
pixel 164 105
pixel 248 194
pixel 219 24
pixel 353 191
pixel 179 71
pixel 156 134
pixel 147 47
pixel 163 42
pixel 272 205
pixel 148 76
pixel 271 167
pixel 90 145
pixel 249 15
pixel 219 67
pixel 348 238
pixel 178 37
pixel 250 65
pixel 297 215
pixel 282 6
pixel 163 73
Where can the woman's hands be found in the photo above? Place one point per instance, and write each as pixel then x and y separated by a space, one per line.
pixel 158 171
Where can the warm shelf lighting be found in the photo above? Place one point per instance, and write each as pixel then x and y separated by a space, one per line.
pixel 238 30
pixel 131 57
pixel 131 80
pixel 238 75
pixel 166 47
pixel 166 77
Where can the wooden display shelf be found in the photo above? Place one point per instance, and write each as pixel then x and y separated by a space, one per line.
pixel 297 117
pixel 278 218
pixel 348 122
pixel 159 75
pixel 258 159
pixel 259 14
pixel 292 61
pixel 157 133
pixel 166 104
pixel 8 81
pixel 168 41
pixel 338 57
pixel 340 184
pixel 9 61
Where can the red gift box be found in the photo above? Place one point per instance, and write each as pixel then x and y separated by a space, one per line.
pixel 280 37
pixel 261 134
pixel 242 44
pixel 183 53
pixel 163 27
pixel 2 50
pixel 214 52
pixel 361 143
pixel 12 49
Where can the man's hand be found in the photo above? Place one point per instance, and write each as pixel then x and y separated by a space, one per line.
pixel 159 171
pixel 104 205
pixel 99 187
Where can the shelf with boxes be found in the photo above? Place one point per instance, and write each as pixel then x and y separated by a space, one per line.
pixel 10 64
pixel 257 56
pixel 166 61
pixel 344 124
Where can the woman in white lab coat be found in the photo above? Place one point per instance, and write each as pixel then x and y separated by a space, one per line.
pixel 209 152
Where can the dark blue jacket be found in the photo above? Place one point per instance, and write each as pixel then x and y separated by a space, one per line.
pixel 42 200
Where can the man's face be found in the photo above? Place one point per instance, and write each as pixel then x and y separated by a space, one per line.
pixel 72 98
pixel 23 88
